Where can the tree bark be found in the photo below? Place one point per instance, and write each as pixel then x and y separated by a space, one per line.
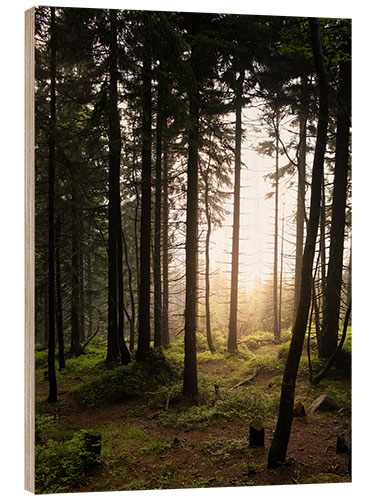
pixel 59 317
pixel 131 294
pixel 331 307
pixel 165 319
pixel 281 272
pixel 300 219
pixel 232 336
pixel 276 327
pixel 52 397
pixel 115 302
pixel 157 230
pixel 75 346
pixel 144 287
pixel 207 256
pixel 279 445
pixel 190 387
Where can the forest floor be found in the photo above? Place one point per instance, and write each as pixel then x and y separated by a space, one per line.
pixel 151 438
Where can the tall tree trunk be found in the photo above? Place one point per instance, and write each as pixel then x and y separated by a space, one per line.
pixel 75 346
pixel 190 387
pixel 89 295
pixel 322 242
pixel 125 354
pixel 114 136
pixel 165 319
pixel 52 397
pixel 117 307
pixel 281 271
pixel 144 287
pixel 59 317
pixel 276 327
pixel 300 219
pixel 81 310
pixel 232 336
pixel 131 294
pixel 157 231
pixel 207 256
pixel 331 306
pixel 279 445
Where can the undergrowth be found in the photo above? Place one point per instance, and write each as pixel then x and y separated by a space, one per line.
pixel 61 465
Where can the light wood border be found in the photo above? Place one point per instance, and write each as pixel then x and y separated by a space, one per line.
pixel 29 250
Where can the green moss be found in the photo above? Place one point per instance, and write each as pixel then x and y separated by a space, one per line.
pixel 325 478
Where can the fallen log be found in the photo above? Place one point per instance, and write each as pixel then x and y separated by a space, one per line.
pixel 247 381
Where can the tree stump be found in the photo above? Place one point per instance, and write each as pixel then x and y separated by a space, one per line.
pixel 93 445
pixel 344 442
pixel 256 437
pixel 299 410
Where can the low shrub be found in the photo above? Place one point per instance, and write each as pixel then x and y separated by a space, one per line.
pixel 60 466
pixel 122 383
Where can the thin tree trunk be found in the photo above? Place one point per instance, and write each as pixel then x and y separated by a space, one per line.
pixel 331 306
pixel 131 294
pixel 322 244
pixel 125 354
pixel 165 319
pixel 52 398
pixel 89 295
pixel 232 336
pixel 279 445
pixel 300 219
pixel 144 287
pixel 276 328
pixel 59 318
pixel 207 270
pixel 190 387
pixel 75 346
pixel 281 271
pixel 157 230
pixel 82 333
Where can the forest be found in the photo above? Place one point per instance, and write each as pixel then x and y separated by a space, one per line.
pixel 192 250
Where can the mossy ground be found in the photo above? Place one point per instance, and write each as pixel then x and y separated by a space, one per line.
pixel 154 439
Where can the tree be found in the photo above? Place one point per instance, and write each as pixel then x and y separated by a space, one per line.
pixel 52 397
pixel 331 311
pixel 277 452
pixel 144 287
pixel 232 336
pixel 116 344
pixel 157 222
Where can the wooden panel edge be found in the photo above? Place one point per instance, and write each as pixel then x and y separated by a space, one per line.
pixel 29 139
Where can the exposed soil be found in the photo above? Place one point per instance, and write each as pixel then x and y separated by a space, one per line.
pixel 198 457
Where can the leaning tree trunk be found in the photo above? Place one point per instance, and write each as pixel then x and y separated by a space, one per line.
pixel 331 307
pixel 279 445
pixel 52 397
pixel 144 286
pixel 232 336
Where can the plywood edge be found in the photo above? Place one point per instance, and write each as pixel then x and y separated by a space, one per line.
pixel 29 139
